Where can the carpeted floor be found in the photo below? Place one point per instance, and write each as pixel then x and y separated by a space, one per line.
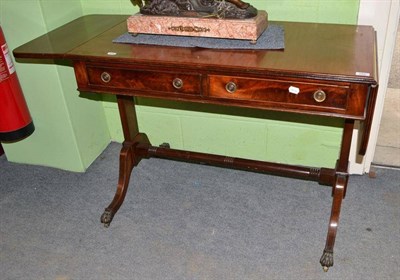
pixel 187 221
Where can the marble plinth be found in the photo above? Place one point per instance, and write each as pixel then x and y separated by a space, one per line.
pixel 245 29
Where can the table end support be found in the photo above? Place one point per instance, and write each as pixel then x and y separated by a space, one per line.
pixel 127 161
pixel 338 193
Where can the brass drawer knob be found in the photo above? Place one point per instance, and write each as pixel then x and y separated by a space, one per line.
pixel 319 96
pixel 105 77
pixel 177 83
pixel 231 87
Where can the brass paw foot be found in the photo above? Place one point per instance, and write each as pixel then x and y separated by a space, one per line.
pixel 106 218
pixel 326 260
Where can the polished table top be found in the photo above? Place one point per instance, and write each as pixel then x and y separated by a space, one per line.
pixel 322 51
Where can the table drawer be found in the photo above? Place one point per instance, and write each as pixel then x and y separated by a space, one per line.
pixel 151 81
pixel 265 90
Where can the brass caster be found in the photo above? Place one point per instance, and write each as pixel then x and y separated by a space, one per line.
pixel 326 260
pixel 106 218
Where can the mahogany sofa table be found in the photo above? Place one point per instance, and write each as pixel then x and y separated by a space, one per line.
pixel 324 70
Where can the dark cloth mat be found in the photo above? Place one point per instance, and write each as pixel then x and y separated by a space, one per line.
pixel 273 38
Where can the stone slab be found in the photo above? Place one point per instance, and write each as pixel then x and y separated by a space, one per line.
pixel 244 29
pixel 273 38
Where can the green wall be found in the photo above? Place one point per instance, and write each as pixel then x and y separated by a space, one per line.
pixel 71 130
pixel 63 137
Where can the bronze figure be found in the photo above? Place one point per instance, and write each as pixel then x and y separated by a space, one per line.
pixel 230 9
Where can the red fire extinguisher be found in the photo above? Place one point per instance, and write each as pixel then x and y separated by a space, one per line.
pixel 15 120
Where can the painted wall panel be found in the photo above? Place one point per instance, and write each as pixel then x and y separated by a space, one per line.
pixel 70 131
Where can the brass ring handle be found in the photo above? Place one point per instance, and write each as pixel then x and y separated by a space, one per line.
pixel 319 96
pixel 177 83
pixel 231 87
pixel 105 77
